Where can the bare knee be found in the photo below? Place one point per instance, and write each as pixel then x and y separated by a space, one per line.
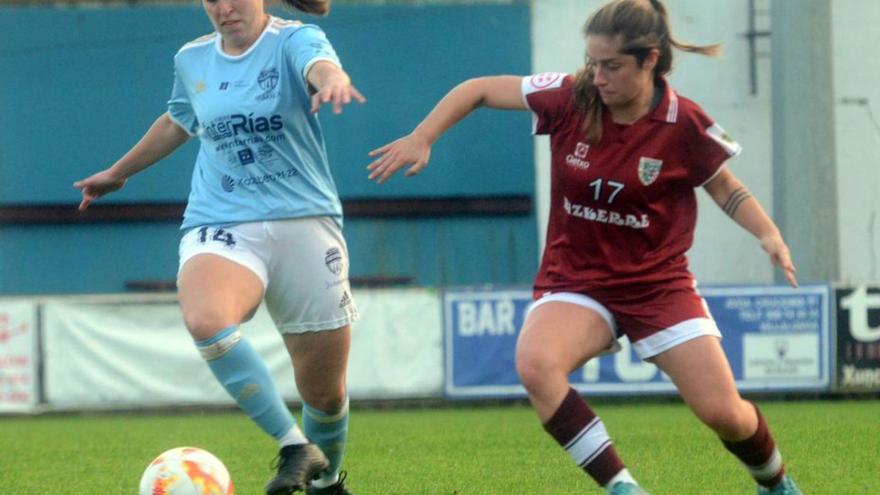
pixel 535 369
pixel 728 419
pixel 328 401
pixel 204 324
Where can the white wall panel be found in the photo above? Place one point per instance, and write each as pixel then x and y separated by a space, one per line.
pixel 857 136
pixel 115 352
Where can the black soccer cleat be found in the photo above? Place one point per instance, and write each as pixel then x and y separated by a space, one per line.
pixel 297 465
pixel 337 488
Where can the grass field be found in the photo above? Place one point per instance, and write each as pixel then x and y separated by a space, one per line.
pixel 830 447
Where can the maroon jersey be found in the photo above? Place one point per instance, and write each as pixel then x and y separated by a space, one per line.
pixel 622 210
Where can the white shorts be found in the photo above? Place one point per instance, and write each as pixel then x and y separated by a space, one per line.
pixel 302 262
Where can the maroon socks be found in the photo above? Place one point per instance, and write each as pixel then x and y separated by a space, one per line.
pixel 582 434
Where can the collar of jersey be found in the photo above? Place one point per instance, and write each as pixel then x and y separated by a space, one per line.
pixel 666 112
pixel 667 109
pixel 218 43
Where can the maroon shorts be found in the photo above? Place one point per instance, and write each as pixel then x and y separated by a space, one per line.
pixel 653 318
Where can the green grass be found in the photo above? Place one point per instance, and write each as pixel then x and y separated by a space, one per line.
pixel 830 447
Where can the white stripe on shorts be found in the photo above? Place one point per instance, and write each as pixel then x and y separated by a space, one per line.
pixel 675 335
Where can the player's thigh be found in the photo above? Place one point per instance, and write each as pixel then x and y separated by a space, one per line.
pixel 320 360
pixel 561 336
pixel 308 287
pixel 220 280
pixel 702 374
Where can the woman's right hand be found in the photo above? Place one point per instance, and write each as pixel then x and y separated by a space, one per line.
pixel 780 256
pixel 410 149
pixel 95 186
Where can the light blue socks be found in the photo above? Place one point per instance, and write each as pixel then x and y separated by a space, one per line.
pixel 329 432
pixel 245 376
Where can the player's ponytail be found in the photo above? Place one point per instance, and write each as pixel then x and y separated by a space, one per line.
pixel 642 25
pixel 319 7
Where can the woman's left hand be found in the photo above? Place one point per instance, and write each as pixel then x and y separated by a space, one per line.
pixel 780 256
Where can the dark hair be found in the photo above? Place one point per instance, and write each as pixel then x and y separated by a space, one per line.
pixel 641 25
pixel 319 7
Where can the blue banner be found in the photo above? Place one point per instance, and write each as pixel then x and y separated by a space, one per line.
pixel 776 338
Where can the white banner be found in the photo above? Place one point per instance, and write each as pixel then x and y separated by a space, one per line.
pixel 118 353
pixel 18 356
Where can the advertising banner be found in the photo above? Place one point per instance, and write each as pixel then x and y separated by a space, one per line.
pixel 776 338
pixel 18 357
pixel 118 352
pixel 858 339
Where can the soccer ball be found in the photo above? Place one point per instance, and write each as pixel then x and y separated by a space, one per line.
pixel 186 471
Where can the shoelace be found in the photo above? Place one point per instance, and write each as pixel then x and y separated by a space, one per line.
pixel 339 485
pixel 342 476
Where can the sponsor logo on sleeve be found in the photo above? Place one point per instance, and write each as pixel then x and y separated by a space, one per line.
pixel 546 80
pixel 722 138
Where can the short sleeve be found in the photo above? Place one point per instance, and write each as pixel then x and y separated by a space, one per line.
pixel 179 106
pixel 543 95
pixel 307 45
pixel 710 147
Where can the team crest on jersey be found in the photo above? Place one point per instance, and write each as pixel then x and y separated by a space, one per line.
pixel 649 170
pixel 268 79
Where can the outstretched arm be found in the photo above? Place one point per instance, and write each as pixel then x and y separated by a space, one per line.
pixel 332 85
pixel 501 92
pixel 163 137
pixel 732 196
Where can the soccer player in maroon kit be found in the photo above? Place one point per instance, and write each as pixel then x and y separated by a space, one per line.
pixel 627 155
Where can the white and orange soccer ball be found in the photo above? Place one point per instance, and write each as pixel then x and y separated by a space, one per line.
pixel 186 471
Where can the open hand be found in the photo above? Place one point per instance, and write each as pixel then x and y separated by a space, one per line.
pixel 337 92
pixel 410 149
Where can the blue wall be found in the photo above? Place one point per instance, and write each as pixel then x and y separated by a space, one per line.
pixel 83 84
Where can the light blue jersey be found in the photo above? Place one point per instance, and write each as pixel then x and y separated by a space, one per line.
pixel 262 154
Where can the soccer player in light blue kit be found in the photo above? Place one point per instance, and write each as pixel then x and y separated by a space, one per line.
pixel 263 221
